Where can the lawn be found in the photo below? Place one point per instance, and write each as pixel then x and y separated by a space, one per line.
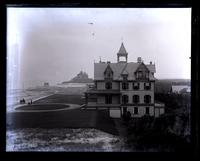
pixel 75 118
pixel 62 98
pixel 66 130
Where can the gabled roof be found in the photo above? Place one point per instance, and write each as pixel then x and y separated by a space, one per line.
pixel 120 68
pixel 108 68
pixel 99 69
pixel 122 50
pixel 142 64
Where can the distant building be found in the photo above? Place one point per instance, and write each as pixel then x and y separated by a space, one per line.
pixel 124 87
pixel 81 77
pixel 180 89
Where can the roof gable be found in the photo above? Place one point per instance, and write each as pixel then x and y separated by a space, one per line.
pixel 142 67
pixel 108 69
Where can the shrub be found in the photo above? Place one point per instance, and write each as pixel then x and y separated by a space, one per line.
pixel 150 132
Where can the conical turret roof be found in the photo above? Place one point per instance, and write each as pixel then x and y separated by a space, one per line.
pixel 122 50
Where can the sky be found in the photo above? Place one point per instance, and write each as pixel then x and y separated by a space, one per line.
pixel 55 44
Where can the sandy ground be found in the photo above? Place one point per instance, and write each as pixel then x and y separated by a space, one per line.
pixel 81 140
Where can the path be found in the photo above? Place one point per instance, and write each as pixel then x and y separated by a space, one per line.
pixel 71 107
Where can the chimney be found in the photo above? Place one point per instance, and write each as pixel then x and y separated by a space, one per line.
pixel 139 59
pixel 150 62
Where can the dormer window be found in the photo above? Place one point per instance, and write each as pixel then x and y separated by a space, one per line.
pixel 108 73
pixel 142 73
pixel 125 77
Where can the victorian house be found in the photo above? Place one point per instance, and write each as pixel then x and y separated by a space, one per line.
pixel 124 87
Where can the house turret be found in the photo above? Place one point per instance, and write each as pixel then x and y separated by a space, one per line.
pixel 122 54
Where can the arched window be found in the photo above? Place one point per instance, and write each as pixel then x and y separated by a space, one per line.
pixel 147 99
pixel 108 85
pixel 124 99
pixel 136 99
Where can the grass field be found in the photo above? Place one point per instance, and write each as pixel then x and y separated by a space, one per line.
pixel 62 98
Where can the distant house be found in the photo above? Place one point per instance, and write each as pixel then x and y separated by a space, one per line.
pixel 180 89
pixel 124 87
pixel 81 77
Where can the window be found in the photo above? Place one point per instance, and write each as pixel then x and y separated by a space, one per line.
pixel 142 75
pixel 147 99
pixel 108 99
pixel 125 85
pixel 125 77
pixel 135 110
pixel 136 99
pixel 92 99
pixel 146 75
pixel 108 85
pixel 147 110
pixel 124 110
pixel 124 99
pixel 147 86
pixel 136 85
pixel 108 74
